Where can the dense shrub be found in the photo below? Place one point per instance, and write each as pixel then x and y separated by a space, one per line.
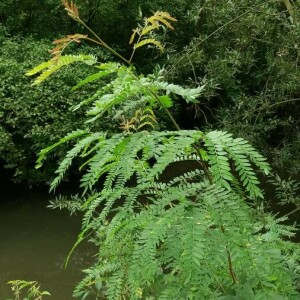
pixel 33 117
pixel 248 53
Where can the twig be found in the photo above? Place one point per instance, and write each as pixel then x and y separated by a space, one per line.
pixel 212 34
pixel 292 212
pixel 231 271
pixel 103 44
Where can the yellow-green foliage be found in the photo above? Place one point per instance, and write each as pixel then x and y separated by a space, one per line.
pixel 30 289
pixel 55 64
pixel 142 34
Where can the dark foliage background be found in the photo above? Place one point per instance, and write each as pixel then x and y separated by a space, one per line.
pixel 246 52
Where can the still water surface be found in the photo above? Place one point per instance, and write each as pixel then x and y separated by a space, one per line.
pixel 34 241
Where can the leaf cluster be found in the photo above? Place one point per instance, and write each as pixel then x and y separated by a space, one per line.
pixel 31 119
pixel 150 24
pixel 31 288
pixel 175 238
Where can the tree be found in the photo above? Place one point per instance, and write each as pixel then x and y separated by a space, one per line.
pixel 203 233
pixel 247 52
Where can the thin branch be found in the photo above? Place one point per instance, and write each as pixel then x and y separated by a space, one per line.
pixel 231 271
pixel 262 108
pixel 290 9
pixel 285 101
pixel 193 69
pixel 103 44
pixel 292 212
pixel 133 51
pixel 212 34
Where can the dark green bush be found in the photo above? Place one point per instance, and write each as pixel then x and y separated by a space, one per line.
pixel 248 54
pixel 33 117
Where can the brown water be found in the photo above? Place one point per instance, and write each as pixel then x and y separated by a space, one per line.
pixel 34 242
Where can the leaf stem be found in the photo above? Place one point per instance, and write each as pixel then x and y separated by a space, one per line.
pixel 103 44
pixel 166 110
pixel 292 212
pixel 202 163
pixel 231 271
pixel 133 51
pixel 212 34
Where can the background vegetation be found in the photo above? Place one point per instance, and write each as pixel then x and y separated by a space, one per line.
pixel 249 66
pixel 243 59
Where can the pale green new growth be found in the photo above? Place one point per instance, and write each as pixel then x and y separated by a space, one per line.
pixel 151 24
pixel 30 289
pixel 53 65
pixel 147 42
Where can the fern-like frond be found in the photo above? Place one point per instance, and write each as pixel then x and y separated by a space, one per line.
pixel 89 79
pixel 127 93
pixel 39 68
pixel 71 136
pixel 254 156
pixel 83 144
pixel 115 284
pixel 148 42
pixel 72 204
pixel 144 34
pixel 63 43
pixel 149 28
pixel 163 18
pixel 95 97
pixel 165 15
pixel 142 119
pixel 48 68
pixel 134 32
pixel 218 158
pixel 223 149
pixel 190 95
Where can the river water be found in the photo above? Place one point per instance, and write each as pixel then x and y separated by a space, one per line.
pixel 34 242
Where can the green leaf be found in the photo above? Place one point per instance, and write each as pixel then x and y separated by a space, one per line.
pixel 149 42
pixel 166 101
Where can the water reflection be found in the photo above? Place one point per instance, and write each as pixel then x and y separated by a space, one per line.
pixel 34 242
